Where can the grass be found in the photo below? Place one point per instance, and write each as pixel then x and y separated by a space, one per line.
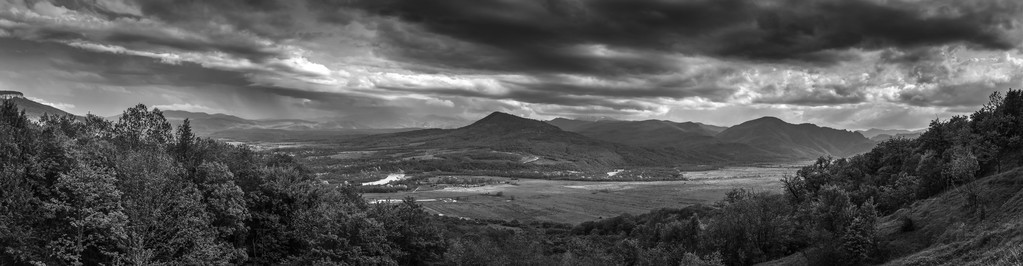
pixel 575 201
pixel 948 234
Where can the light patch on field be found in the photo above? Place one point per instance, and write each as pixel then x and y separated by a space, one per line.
pixel 351 154
pixel 481 189
pixel 390 178
pixel 741 172
pixel 609 187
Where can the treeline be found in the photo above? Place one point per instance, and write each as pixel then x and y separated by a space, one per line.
pixel 135 192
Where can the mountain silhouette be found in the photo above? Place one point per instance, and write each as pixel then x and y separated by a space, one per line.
pixel 647 133
pixel 803 141
pixel 527 137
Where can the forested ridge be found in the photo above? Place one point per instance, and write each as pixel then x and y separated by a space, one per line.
pixel 137 192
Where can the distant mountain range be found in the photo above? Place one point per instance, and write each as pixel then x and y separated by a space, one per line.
pixel 879 135
pixel 874 132
pixel 762 139
pixel 608 143
pixel 508 133
pixel 601 143
pixel 796 141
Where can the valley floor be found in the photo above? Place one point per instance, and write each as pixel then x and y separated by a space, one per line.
pixel 574 201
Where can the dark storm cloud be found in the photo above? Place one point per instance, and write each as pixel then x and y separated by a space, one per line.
pixel 809 27
pixel 129 32
pixel 93 7
pixel 275 19
pixel 546 35
pixel 672 89
pixel 271 18
pixel 413 44
pixel 136 71
pixel 533 96
pixel 637 58
pixel 967 95
pixel 148 40
pixel 613 94
pixel 828 95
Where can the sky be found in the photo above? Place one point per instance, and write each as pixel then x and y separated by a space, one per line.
pixel 852 64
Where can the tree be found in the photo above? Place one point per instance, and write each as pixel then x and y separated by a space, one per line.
pixel 859 237
pixel 412 231
pixel 183 142
pixel 88 205
pixel 753 227
pixel 809 180
pixel 167 219
pixel 140 127
pixel 961 168
pixel 224 201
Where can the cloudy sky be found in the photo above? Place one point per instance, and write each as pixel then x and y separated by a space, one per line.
pixel 842 63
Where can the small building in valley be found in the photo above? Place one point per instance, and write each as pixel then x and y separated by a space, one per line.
pixel 7 95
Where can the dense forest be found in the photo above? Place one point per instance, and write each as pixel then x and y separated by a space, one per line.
pixel 137 192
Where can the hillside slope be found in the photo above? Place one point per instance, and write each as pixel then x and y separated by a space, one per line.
pixel 649 133
pixel 34 110
pixel 945 230
pixel 805 141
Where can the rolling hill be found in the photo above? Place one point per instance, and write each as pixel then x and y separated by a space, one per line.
pixel 796 141
pixel 34 110
pixel 647 133
pixel 760 140
pixel 501 132
pixel 607 144
pixel 874 132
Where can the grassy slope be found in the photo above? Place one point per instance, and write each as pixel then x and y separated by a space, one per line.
pixel 946 233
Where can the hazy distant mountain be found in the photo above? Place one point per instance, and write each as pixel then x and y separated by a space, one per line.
pixel 873 132
pixel 657 133
pixel 412 121
pixel 203 123
pixel 34 110
pixel 233 127
pixel 796 141
pixel 884 137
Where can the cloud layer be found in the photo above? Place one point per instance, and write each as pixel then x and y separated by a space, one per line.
pixel 845 63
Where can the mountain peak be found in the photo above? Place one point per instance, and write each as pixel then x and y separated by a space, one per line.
pixel 509 122
pixel 768 119
pixel 501 115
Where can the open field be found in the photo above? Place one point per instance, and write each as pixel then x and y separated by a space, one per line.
pixel 579 201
